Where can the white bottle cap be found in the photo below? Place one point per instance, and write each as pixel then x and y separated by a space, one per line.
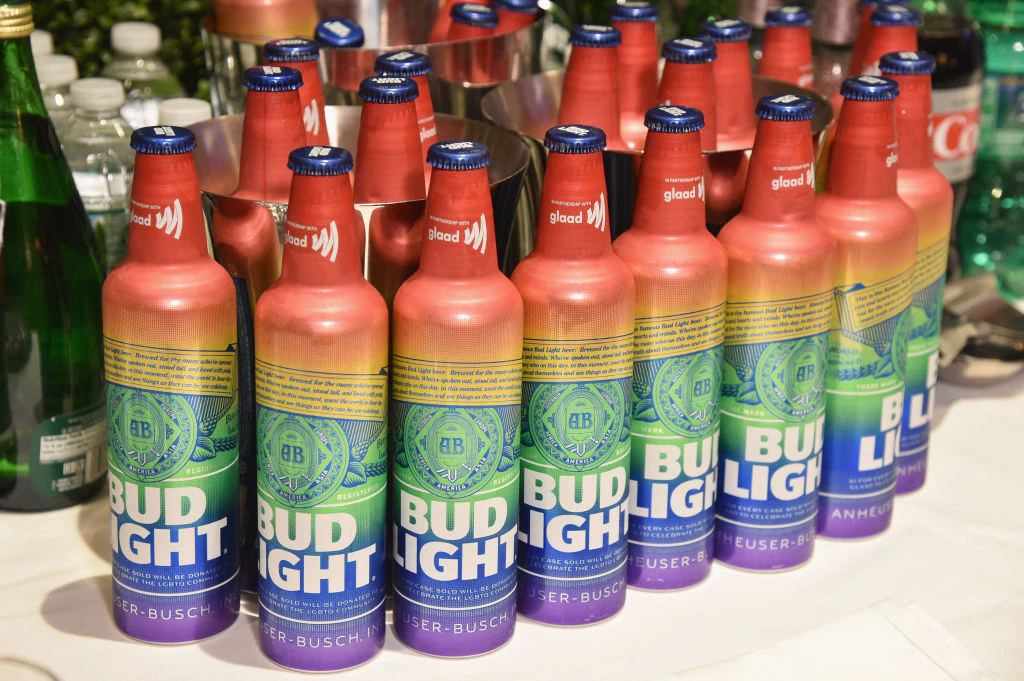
pixel 183 111
pixel 135 38
pixel 42 42
pixel 97 94
pixel 56 70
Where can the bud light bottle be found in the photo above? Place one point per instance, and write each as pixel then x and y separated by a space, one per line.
pixel 920 184
pixel 680 274
pixel 514 15
pixel 416 67
pixel 687 81
pixel 590 93
pixel 860 45
pixel 637 21
pixel 303 55
pixel 876 245
pixel 471 21
pixel 787 46
pixel 321 391
pixel 171 363
pixel 578 300
pixel 455 413
pixel 778 316
pixel 337 37
pixel 893 29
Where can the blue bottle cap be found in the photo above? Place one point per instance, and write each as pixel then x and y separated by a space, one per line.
pixel 458 155
pixel 575 139
pixel 521 6
pixel 789 17
pixel 785 108
pixel 907 63
pixel 388 90
pixel 320 160
pixel 876 3
pixel 339 33
pixel 689 51
pixel 895 15
pixel 726 30
pixel 869 89
pixel 291 50
pixel 676 119
pixel 271 79
pixel 407 64
pixel 634 10
pixel 593 35
pixel 164 140
pixel 472 14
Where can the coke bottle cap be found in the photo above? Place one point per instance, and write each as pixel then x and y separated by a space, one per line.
pixel 320 160
pixel 674 119
pixel 339 33
pixel 876 3
pixel 164 140
pixel 271 79
pixel 592 35
pixel 459 155
pixel 634 10
pixel 869 89
pixel 388 90
pixel 895 15
pixel 521 6
pixel 785 108
pixel 789 17
pixel 406 64
pixel 689 51
pixel 575 139
pixel 472 14
pixel 907 63
pixel 726 30
pixel 291 50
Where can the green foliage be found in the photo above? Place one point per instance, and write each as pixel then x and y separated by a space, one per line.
pixel 81 28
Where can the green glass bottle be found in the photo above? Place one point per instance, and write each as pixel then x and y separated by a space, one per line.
pixel 52 418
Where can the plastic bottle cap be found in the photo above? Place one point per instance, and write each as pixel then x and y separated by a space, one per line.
pixel 869 89
pixel 183 112
pixel 674 119
pixel 339 33
pixel 592 35
pixel 320 160
pixel 575 139
pixel 689 51
pixel 406 64
pixel 56 70
pixel 271 78
pixel 472 14
pixel 291 50
pixel 785 108
pixel 789 17
pixel 97 94
pixel 459 155
pixel 135 37
pixel 907 63
pixel 42 42
pixel 895 15
pixel 634 10
pixel 876 3
pixel 388 90
pixel 163 139
pixel 521 6
pixel 726 30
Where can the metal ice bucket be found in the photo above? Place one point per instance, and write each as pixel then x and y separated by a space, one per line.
pixel 982 338
pixel 220 143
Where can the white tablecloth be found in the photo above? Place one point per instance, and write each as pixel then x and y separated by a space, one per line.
pixel 955 551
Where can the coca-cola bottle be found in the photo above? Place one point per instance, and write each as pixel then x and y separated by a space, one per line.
pixel 787 46
pixel 303 55
pixel 637 21
pixel 688 79
pixel 590 93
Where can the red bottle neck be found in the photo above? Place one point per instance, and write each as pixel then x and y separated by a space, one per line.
pixel 319 249
pixel 914 121
pixel 863 164
pixel 389 166
pixel 311 97
pixel 670 194
pixel 780 182
pixel 590 94
pixel 166 223
pixel 886 39
pixel 459 241
pixel 734 94
pixel 860 43
pixel 787 55
pixel 459 31
pixel 693 86
pixel 573 218
pixel 271 130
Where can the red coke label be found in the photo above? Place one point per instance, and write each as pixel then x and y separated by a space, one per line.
pixel 956 121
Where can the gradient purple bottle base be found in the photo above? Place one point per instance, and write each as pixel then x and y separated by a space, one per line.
pixel 436 631
pixel 911 471
pixel 571 603
pixel 666 568
pixel 183 619
pixel 764 549
pixel 321 647
pixel 854 518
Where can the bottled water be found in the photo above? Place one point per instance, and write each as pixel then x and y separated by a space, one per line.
pixel 42 43
pixel 146 78
pixel 183 112
pixel 56 72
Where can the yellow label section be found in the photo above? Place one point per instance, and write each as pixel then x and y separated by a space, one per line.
pixel 183 372
pixel 313 393
pixel 858 309
pixel 930 264
pixel 456 383
pixel 681 334
pixel 551 361
pixel 778 320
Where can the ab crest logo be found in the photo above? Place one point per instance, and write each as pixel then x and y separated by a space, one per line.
pixel 686 392
pixel 152 435
pixel 790 378
pixel 576 425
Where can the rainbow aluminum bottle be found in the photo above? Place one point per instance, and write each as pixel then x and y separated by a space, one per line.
pixel 893 28
pixel 456 389
pixel 579 310
pixel 637 21
pixel 777 321
pixel 321 394
pixel 787 46
pixel 172 408
pixel 876 245
pixel 865 8
pixel 415 66
pixel 680 274
pixel 303 55
pixel 590 91
pixel 926 190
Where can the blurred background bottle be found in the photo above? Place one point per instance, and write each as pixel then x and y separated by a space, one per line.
pixel 56 72
pixel 184 112
pixel 42 43
pixel 146 78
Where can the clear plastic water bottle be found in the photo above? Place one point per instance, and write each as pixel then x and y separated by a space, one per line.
pixel 56 72
pixel 184 112
pixel 146 78
pixel 42 42
pixel 97 143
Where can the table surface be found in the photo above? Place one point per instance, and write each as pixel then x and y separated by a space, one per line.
pixel 956 548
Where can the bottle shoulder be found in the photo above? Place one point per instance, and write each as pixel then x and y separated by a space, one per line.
pixel 423 295
pixel 640 250
pixel 322 310
pixel 169 288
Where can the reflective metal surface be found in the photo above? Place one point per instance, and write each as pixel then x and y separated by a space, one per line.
pixel 982 335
